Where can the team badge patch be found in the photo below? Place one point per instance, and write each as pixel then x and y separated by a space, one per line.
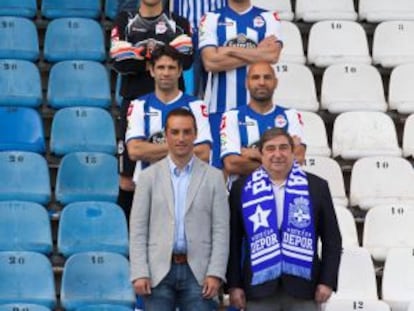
pixel 299 213
pixel 161 28
pixel 280 121
pixel 258 22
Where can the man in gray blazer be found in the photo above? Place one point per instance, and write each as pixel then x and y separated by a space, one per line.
pixel 179 225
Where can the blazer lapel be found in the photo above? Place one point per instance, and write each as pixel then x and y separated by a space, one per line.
pixel 195 180
pixel 166 185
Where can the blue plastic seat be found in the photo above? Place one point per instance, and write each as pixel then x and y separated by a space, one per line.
pixel 23 307
pixel 188 76
pixel 21 129
pixel 19 83
pixel 71 8
pixel 74 38
pixel 24 226
pixel 87 176
pixel 96 278
pixel 91 129
pixel 92 226
pixel 26 277
pixel 102 307
pixel 18 38
pixel 24 177
pixel 112 7
pixel 23 8
pixel 78 83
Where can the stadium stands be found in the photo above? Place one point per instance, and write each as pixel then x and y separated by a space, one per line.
pixel 22 8
pixel 325 10
pixel 71 8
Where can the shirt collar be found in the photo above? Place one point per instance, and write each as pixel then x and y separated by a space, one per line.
pixel 174 170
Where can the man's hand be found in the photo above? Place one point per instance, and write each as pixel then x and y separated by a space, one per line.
pixel 322 294
pixel 142 286
pixel 238 298
pixel 252 154
pixel 268 41
pixel 211 287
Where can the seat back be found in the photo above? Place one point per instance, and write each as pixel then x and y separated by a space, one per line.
pixel 347 227
pixel 24 226
pixel 104 307
pixel 292 51
pixel 24 177
pixel 96 278
pixel 74 38
pixel 78 83
pixel 400 90
pixel 408 137
pixel 26 277
pixel 325 10
pixel 87 176
pixel 315 134
pixel 21 129
pixel 71 8
pixel 375 11
pixel 23 307
pixel 92 226
pixel 18 38
pixel 23 8
pixel 352 304
pixel 282 7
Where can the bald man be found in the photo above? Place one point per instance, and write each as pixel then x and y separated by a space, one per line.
pixel 241 128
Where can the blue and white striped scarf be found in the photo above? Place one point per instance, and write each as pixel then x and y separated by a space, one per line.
pixel 289 250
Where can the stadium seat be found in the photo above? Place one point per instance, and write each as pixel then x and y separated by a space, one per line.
pixel 359 134
pixel 400 90
pixel 411 306
pixel 26 277
pixel 18 38
pixel 74 39
pixel 386 227
pixel 347 227
pixel 356 276
pixel 118 97
pixel 375 11
pixel 329 43
pixel 82 129
pixel 381 180
pixel 87 176
pixel 330 170
pixel 71 8
pixel 352 87
pixel 398 278
pixel 296 87
pixel 21 128
pixel 352 305
pixel 393 44
pixel 23 307
pixel 20 83
pixel 188 76
pixel 92 226
pixel 408 137
pixel 292 51
pixel 104 307
pixel 314 11
pixel 282 7
pixel 24 177
pixel 111 9
pixel 24 226
pixel 315 135
pixel 96 278
pixel 78 83
pixel 23 8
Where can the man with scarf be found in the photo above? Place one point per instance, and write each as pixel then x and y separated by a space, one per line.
pixel 278 213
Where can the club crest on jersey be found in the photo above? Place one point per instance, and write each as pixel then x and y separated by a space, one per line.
pixel 242 41
pixel 299 213
pixel 258 22
pixel 280 121
pixel 161 28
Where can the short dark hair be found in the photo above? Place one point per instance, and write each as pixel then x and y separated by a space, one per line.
pixel 181 112
pixel 273 133
pixel 166 50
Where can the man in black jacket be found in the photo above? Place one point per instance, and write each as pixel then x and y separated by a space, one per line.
pixel 278 213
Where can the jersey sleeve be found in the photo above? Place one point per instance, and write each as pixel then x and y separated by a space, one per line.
pixel 207 32
pixel 229 134
pixel 295 124
pixel 135 121
pixel 199 109
pixel 273 25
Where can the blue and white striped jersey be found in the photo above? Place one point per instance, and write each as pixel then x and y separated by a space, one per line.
pixel 227 27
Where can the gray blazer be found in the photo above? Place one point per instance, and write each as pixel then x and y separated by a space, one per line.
pixel 206 223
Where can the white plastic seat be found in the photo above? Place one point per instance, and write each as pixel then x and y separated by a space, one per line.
pixel 359 134
pixel 352 87
pixel 411 306
pixel 352 305
pixel 356 276
pixel 393 43
pixel 381 180
pixel 317 10
pixel 387 227
pixel 282 7
pixel 375 11
pixel 315 134
pixel 408 137
pixel 400 90
pixel 330 170
pixel 398 278
pixel 332 42
pixel 347 227
pixel 296 87
pixel 292 51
